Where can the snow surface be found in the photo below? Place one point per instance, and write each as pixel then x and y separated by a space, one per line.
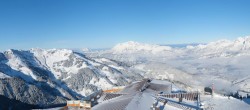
pixel 144 100
pixel 219 102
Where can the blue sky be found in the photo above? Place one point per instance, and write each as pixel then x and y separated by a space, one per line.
pixel 103 23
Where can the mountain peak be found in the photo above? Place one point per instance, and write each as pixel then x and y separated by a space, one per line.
pixel 132 47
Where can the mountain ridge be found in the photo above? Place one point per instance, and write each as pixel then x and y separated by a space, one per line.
pixel 53 76
pixel 66 74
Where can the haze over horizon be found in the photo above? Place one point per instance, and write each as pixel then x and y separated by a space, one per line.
pixel 102 24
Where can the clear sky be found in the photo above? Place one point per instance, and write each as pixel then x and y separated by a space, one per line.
pixel 103 23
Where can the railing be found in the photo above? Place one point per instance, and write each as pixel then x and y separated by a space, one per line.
pixel 181 96
pixel 187 96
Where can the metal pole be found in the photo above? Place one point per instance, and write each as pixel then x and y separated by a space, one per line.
pixel 171 87
pixel 198 100
pixel 213 90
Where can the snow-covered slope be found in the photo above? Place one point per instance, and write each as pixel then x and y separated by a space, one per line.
pixel 219 102
pixel 68 74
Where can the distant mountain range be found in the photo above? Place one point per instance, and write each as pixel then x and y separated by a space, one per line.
pixel 224 62
pixel 181 45
pixel 50 77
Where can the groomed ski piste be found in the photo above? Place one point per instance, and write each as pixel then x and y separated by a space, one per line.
pixel 163 95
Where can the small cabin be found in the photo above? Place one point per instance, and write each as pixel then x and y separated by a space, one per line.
pixel 208 91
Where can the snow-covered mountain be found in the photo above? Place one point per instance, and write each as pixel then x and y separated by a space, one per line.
pixel 57 75
pixel 225 62
pixel 49 77
pixel 223 48
pixel 133 47
pixel 220 48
